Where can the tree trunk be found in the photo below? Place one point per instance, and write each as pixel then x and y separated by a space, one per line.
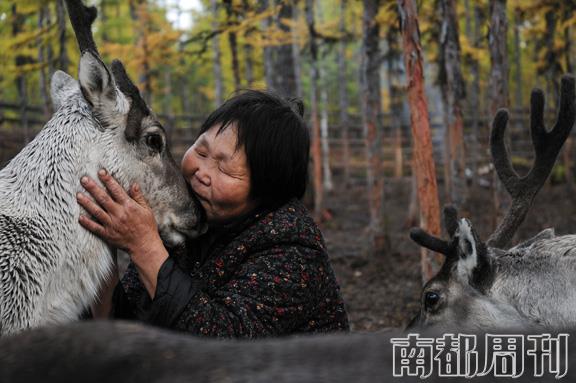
pixel 296 52
pixel 316 145
pixel 218 82
pixel 268 50
pixel 518 58
pixel 232 41
pixel 139 14
pixel 103 16
pixel 21 86
pixel 453 94
pixel 371 120
pixel 395 74
pixel 568 48
pixel 61 17
pixel 474 20
pixel 284 75
pixel 327 171
pixel 343 94
pixel 423 156
pixel 498 83
pixel 248 51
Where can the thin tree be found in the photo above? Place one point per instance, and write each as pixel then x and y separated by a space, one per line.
pixel 18 20
pixel 343 93
pixel 475 17
pixel 498 83
pixel 140 16
pixel 453 94
pixel 395 73
pixel 248 50
pixel 267 51
pixel 423 160
pixel 232 20
pixel 285 80
pixel 61 18
pixel 314 80
pixel 296 56
pixel 324 117
pixel 371 120
pixel 217 60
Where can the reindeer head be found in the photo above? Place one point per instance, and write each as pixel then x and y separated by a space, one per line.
pixel 124 135
pixel 458 296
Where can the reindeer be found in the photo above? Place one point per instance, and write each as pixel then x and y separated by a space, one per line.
pixel 483 286
pixel 50 267
pixel 116 351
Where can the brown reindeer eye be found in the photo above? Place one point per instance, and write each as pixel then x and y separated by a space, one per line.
pixel 431 299
pixel 154 141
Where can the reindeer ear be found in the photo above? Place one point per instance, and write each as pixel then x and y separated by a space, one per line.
pixel 470 250
pixel 95 80
pixel 61 86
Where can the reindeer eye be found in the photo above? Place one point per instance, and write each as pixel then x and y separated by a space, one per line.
pixel 431 299
pixel 154 141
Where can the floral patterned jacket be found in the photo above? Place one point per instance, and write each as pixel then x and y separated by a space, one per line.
pixel 266 275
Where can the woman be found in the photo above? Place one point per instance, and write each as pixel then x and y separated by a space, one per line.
pixel 262 268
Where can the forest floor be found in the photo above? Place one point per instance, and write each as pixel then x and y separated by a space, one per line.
pixel 383 290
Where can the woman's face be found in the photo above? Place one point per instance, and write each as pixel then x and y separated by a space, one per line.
pixel 219 174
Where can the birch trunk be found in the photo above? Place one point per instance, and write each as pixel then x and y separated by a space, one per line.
pixel 326 169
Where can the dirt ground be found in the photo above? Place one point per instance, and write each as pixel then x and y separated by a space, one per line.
pixel 383 290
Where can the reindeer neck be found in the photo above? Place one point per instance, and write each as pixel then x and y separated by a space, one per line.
pixel 45 176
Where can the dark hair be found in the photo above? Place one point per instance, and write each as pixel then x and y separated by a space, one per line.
pixel 276 140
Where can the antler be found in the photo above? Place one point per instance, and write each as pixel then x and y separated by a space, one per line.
pixel 436 244
pixel 546 144
pixel 82 18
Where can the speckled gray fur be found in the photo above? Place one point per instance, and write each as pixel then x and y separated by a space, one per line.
pixel 531 286
pixel 50 267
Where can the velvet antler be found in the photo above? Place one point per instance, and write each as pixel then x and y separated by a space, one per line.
pixel 546 144
pixel 439 245
pixel 82 18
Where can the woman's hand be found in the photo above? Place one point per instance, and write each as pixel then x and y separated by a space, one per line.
pixel 126 221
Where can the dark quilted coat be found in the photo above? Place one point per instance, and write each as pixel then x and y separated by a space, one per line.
pixel 267 274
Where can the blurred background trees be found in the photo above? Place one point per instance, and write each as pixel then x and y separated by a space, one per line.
pixel 353 62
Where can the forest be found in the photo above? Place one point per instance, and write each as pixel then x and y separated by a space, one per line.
pixel 399 96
